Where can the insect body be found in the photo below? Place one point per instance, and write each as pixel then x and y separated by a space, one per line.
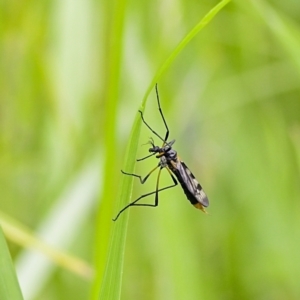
pixel 192 189
pixel 169 160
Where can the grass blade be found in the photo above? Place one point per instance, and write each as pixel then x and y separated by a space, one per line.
pixel 111 287
pixel 9 286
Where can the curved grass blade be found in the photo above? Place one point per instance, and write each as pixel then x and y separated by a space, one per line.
pixel 111 284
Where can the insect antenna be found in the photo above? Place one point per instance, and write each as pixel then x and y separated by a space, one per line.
pixel 151 142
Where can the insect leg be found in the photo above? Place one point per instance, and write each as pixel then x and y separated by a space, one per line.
pixel 162 115
pixel 140 177
pixel 139 159
pixel 134 203
pixel 142 116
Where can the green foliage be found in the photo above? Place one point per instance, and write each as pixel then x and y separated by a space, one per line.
pixel 73 76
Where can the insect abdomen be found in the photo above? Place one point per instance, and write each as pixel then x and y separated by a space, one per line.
pixel 190 185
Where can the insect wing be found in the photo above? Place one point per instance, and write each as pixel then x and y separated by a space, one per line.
pixel 191 184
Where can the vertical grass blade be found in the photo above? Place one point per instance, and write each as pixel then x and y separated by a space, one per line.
pixel 284 28
pixel 111 287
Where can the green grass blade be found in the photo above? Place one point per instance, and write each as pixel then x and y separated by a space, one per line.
pixel 111 284
pixel 286 30
pixel 111 287
pixel 9 286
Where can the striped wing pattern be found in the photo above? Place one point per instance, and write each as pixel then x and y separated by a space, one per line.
pixel 190 185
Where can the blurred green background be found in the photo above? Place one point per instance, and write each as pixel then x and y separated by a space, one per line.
pixel 72 78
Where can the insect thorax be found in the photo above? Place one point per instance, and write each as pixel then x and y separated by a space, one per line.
pixel 163 161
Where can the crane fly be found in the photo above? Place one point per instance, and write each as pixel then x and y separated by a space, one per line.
pixel 169 160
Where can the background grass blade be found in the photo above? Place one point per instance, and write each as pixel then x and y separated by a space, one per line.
pixel 9 286
pixel 284 28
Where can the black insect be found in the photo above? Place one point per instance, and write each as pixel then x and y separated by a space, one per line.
pixel 169 160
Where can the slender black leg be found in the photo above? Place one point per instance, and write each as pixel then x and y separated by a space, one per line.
pixel 134 203
pixel 142 116
pixel 140 177
pixel 139 159
pixel 162 115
